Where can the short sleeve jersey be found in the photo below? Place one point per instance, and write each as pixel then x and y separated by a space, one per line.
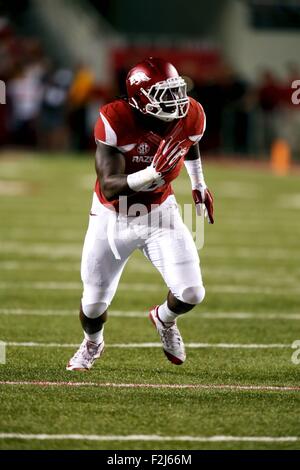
pixel 118 126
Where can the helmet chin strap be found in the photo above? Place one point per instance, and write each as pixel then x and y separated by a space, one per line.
pixel 167 117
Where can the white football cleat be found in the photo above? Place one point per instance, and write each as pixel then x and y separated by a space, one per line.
pixel 86 355
pixel 171 339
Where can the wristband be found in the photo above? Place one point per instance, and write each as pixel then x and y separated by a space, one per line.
pixel 195 172
pixel 140 179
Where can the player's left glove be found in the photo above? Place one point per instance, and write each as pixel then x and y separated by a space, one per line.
pixel 202 195
pixel 167 156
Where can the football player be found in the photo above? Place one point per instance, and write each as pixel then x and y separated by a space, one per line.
pixel 143 141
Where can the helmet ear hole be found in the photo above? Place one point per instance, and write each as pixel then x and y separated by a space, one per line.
pixel 153 109
pixel 135 102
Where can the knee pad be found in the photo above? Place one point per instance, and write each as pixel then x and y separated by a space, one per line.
pixel 193 295
pixel 95 300
pixel 94 310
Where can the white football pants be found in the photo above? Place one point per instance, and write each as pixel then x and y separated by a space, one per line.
pixel 163 238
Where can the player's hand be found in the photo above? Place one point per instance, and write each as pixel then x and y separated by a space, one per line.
pixel 201 196
pixel 168 155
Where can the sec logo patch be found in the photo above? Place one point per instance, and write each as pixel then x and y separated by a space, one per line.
pixel 143 148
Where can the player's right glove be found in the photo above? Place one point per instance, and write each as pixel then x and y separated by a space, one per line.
pixel 201 196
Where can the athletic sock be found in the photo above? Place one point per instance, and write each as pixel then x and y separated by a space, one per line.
pixel 165 314
pixel 95 337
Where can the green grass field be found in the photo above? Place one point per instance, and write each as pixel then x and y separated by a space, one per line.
pixel 251 269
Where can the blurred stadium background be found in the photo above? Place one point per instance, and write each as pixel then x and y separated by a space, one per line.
pixel 60 59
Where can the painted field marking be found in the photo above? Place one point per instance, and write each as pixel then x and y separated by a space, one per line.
pixel 14 265
pixel 140 287
pixel 14 188
pixel 73 250
pixel 230 274
pixel 33 344
pixel 145 437
pixel 139 314
pixel 65 312
pixel 239 289
pixel 264 388
pixel 141 266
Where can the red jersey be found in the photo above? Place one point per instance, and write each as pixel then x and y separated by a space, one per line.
pixel 119 126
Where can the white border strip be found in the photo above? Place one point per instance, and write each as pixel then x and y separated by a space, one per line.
pixel 235 387
pixel 145 437
pixel 32 344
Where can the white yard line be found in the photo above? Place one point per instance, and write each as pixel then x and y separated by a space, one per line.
pixel 140 314
pixel 141 266
pixel 14 188
pixel 234 387
pixel 36 285
pixel 72 313
pixel 257 253
pixel 73 250
pixel 240 289
pixel 248 315
pixel 145 437
pixel 132 266
pixel 150 287
pixel 14 265
pixel 53 285
pixel 279 279
pixel 34 344
pixel 67 250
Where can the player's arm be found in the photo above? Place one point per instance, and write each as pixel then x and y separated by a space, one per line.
pixel 110 168
pixel 201 193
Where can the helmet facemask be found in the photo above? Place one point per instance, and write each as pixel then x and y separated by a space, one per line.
pixel 167 100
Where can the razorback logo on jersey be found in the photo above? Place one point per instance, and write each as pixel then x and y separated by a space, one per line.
pixel 138 78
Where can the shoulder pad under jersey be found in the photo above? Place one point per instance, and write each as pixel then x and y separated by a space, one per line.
pixel 115 125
